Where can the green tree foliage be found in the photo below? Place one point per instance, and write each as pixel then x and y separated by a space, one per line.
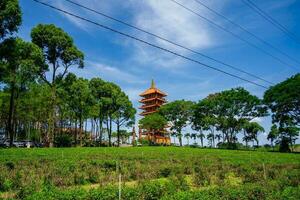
pixel 252 129
pixel 283 100
pixel 201 136
pixel 61 54
pixel 99 112
pixel 187 136
pixel 227 111
pixel 10 17
pixel 32 109
pixel 273 134
pixel 153 122
pixel 110 105
pixel 178 113
pixel 80 101
pixel 21 62
pixel 124 113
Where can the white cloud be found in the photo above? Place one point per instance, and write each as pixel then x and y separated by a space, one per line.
pixel 173 22
pixel 257 119
pixel 108 73
pixel 77 22
pixel 113 73
pixel 163 18
pixel 170 21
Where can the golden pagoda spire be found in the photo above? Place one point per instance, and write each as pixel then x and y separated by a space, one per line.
pixel 152 84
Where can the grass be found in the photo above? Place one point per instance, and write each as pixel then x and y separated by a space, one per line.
pixel 182 172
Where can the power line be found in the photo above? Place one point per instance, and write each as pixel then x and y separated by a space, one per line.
pixel 169 41
pixel 270 19
pixel 150 44
pixel 232 33
pixel 247 31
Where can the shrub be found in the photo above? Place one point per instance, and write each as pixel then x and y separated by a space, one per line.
pixel 180 182
pixel 230 145
pixel 79 179
pixel 5 184
pixel 284 145
pixel 108 193
pixel 109 165
pixel 144 142
pixel 10 165
pixel 63 140
pixel 152 190
pixel 201 177
pixel 165 172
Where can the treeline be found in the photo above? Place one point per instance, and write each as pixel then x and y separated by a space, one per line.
pixel 222 116
pixel 38 94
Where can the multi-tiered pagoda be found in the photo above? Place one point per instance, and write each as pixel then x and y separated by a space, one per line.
pixel 152 99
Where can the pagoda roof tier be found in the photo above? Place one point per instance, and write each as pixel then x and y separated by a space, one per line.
pixel 150 106
pixel 153 90
pixel 151 99
pixel 148 112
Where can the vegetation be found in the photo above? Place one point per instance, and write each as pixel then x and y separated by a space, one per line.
pixel 178 114
pixel 21 62
pixel 10 17
pixel 41 101
pixel 153 122
pixel 147 173
pixel 284 101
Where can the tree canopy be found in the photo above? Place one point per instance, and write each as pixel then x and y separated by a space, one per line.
pixel 229 110
pixel 59 50
pixel 20 63
pixel 60 53
pixel 153 122
pixel 178 113
pixel 283 100
pixel 10 17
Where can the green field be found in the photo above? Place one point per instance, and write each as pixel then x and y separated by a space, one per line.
pixel 147 173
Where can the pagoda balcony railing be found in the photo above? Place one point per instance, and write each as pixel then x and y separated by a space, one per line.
pixel 147 112
pixel 152 99
pixel 149 106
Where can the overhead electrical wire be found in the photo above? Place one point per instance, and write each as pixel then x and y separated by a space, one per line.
pixel 169 41
pixel 247 31
pixel 270 19
pixel 150 44
pixel 234 34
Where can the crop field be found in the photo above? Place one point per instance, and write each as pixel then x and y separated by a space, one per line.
pixel 147 173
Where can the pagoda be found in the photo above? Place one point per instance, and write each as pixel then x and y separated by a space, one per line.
pixel 152 99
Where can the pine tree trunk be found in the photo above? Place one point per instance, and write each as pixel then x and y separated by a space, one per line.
pixel 51 127
pixel 272 145
pixel 180 140
pixel 100 130
pixel 10 115
pixel 118 132
pixel 110 128
pixel 75 135
pixel 80 129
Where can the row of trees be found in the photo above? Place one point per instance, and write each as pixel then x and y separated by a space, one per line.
pixel 224 115
pixel 39 94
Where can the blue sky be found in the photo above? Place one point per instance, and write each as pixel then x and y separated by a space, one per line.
pixel 132 65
